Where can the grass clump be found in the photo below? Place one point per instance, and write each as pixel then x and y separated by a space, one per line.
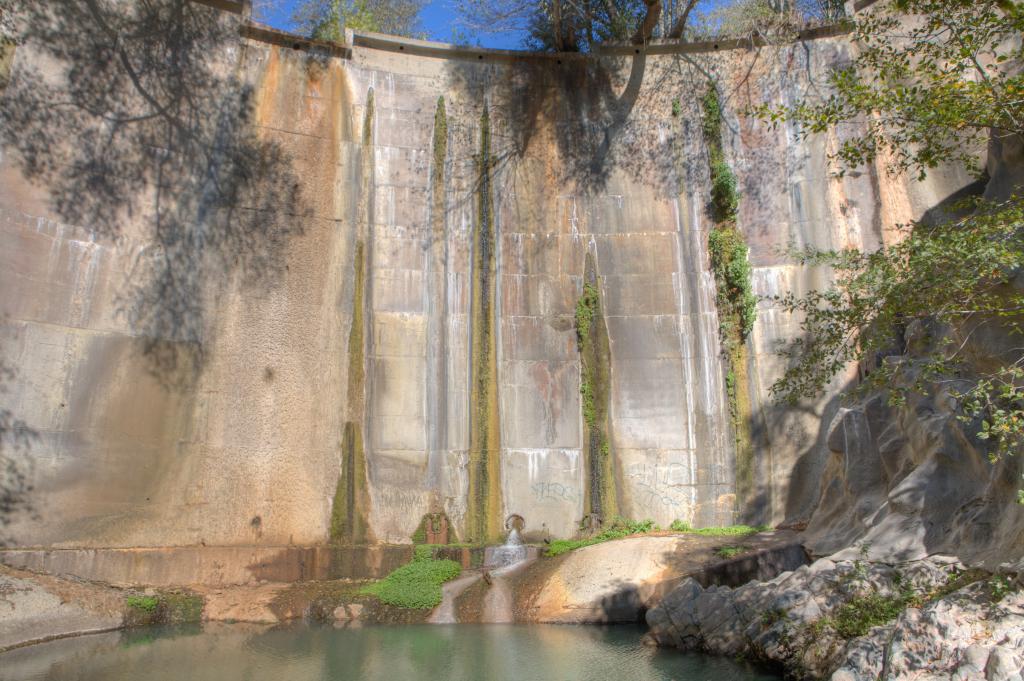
pixel 416 585
pixel 859 615
pixel 730 551
pixel 164 607
pixel 725 197
pixel 618 529
pixel 725 531
pixel 147 604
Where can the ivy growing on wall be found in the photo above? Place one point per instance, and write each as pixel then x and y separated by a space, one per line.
pixel 735 299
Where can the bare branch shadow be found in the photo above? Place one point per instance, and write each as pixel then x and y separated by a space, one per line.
pixel 16 466
pixel 137 121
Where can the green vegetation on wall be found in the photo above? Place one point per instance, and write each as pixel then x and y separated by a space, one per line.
pixel 349 524
pixel 735 300
pixel 440 148
pixel 930 85
pixel 731 265
pixel 432 525
pixel 415 585
pixel 483 521
pixel 595 393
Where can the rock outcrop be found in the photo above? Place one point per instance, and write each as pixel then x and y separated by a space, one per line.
pixel 618 581
pixel 913 481
pixel 854 620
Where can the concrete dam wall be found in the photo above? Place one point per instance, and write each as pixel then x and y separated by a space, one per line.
pixel 260 292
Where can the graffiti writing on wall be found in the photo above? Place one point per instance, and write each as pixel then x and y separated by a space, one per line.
pixel 554 491
pixel 660 484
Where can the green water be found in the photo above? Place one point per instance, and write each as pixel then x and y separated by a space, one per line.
pixel 313 653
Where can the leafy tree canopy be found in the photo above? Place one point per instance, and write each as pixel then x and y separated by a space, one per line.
pixel 327 19
pixel 933 81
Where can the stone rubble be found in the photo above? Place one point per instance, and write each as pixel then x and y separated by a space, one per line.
pixel 785 622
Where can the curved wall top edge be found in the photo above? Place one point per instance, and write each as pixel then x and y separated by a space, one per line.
pixel 428 48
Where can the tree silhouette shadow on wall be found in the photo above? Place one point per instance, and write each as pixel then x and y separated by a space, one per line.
pixel 146 121
pixel 632 116
pixel 16 466
pixel 134 118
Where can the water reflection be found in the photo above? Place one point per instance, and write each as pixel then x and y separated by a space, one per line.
pixel 309 653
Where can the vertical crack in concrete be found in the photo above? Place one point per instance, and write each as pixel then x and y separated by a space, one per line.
pixel 483 522
pixel 437 309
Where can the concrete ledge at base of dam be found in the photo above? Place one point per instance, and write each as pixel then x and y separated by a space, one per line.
pixel 614 582
pixel 212 565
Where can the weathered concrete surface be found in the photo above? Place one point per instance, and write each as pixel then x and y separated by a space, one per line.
pixel 244 449
pixel 36 608
pixel 250 603
pixel 213 565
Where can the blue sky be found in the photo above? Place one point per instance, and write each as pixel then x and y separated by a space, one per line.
pixel 438 19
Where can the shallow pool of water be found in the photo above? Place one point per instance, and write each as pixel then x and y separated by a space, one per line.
pixel 300 652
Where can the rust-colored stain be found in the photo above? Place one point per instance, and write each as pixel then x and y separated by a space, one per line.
pixel 267 92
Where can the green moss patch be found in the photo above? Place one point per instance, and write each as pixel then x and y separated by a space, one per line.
pixel 722 531
pixel 618 529
pixel 7 48
pixel 416 585
pixel 165 607
pixel 735 299
pixel 483 522
pixel 146 604
pixel 595 391
pixel 728 552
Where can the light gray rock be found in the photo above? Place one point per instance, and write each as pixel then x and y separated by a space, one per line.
pixel 1002 665
pixel 961 635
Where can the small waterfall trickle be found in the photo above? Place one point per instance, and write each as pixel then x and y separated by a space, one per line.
pixel 502 562
pixel 511 552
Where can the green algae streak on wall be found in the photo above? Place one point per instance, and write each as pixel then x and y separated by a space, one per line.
pixel 483 521
pixel 437 275
pixel 351 505
pixel 737 311
pixel 601 503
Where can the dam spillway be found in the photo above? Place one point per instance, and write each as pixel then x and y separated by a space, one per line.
pixel 379 325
